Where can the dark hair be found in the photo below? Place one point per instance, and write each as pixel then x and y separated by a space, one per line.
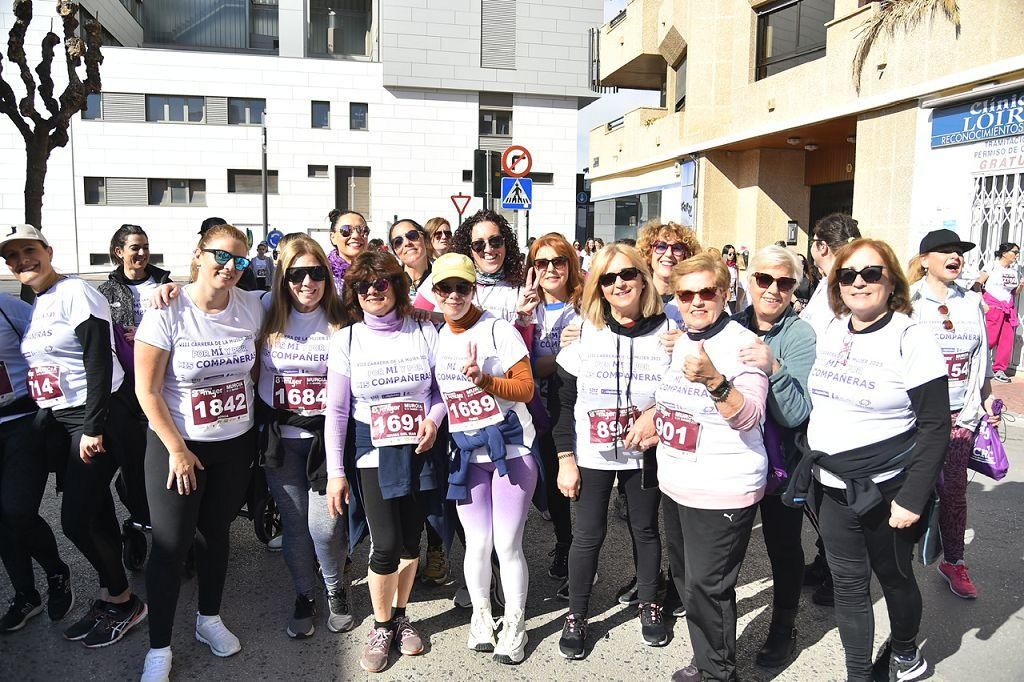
pixel 1004 247
pixel 514 258
pixel 836 229
pixel 727 247
pixel 371 265
pixel 211 222
pixel 627 241
pixel 119 239
pixel 337 213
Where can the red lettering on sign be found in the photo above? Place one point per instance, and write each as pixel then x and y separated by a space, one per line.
pixel 222 403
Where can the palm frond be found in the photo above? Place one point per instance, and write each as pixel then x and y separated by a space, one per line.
pixel 898 15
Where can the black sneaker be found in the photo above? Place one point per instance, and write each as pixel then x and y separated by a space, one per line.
pixel 22 607
pixel 559 569
pixel 627 593
pixel 115 620
pixel 61 597
pixel 902 669
pixel 572 643
pixel 823 595
pixel 301 624
pixel 652 625
pixel 84 625
pixel 816 572
pixel 880 668
pixel 339 610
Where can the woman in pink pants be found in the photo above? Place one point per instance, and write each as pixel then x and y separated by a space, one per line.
pixel 1001 281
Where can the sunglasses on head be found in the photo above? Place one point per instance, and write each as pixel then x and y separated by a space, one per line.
pixel 764 280
pixel 543 263
pixel 442 234
pixel 495 242
pixel 379 285
pixel 411 235
pixel 317 273
pixel 222 257
pixel 870 274
pixel 705 294
pixel 446 288
pixel 347 230
pixel 679 249
pixel 626 275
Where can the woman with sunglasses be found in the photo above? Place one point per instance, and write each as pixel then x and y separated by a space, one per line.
pixel 303 312
pixel 663 245
pixel 409 244
pixel 711 459
pixel 440 232
pixel 1001 282
pixel 876 440
pixel 483 371
pixel 73 372
pixel 349 235
pixel 609 377
pixel 783 348
pixel 956 317
pixel 194 362
pixel 735 283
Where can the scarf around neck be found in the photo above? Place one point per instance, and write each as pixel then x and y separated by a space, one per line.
pixel 338 265
pixel 489 280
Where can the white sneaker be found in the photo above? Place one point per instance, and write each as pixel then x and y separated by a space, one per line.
pixel 462 598
pixel 275 543
pixel 212 632
pixel 158 666
pixel 511 648
pixel 481 629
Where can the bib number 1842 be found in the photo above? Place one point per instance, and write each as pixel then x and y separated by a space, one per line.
pixel 223 403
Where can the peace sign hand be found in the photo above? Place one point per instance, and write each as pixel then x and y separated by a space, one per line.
pixel 530 298
pixel 471 369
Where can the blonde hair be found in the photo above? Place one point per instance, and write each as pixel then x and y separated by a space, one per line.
pixel 593 307
pixel 775 256
pixel 899 300
pixel 709 261
pixel 915 269
pixel 215 232
pixel 431 227
pixel 653 229
pixel 291 248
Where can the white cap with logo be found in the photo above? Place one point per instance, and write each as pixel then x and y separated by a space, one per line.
pixel 22 231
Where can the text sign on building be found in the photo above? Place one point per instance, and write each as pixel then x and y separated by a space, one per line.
pixel 989 118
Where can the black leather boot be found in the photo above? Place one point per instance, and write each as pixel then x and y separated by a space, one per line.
pixel 781 641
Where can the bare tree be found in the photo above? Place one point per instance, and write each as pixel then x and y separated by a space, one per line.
pixel 42 133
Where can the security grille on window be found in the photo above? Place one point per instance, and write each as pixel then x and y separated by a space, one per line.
pixel 251 182
pixel 498 34
pixel 352 189
pixel 95 191
pixel 175 109
pixel 321 114
pixel 997 214
pixel 358 116
pixel 176 192
pixel 791 33
pixel 246 111
pixel 93 107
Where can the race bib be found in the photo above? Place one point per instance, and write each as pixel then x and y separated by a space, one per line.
pixel 608 427
pixel 957 365
pixel 471 409
pixel 301 393
pixel 44 383
pixel 677 432
pixel 6 388
pixel 221 404
pixel 260 271
pixel 395 422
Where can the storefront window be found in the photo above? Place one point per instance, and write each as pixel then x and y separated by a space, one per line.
pixel 622 217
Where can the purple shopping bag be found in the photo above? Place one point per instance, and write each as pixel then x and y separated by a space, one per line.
pixel 989 455
pixel 777 473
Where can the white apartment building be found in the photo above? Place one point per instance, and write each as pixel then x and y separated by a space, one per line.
pixel 369 105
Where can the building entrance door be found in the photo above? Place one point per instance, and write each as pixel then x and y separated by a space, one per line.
pixel 834 197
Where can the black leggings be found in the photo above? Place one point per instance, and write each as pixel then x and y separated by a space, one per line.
pixel 558 504
pixel 592 526
pixel 394 525
pixel 24 535
pixel 209 509
pixel 87 514
pixel 781 526
pixel 858 546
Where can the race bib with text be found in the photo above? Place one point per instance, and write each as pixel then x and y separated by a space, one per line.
pixel 220 404
pixel 677 431
pixel 609 426
pixel 957 365
pixel 395 422
pixel 44 383
pixel 472 409
pixel 301 393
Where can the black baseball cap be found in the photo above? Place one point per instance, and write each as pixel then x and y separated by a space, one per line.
pixel 938 238
pixel 211 222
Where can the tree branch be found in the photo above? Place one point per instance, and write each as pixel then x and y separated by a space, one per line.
pixel 43 70
pixel 75 96
pixel 16 54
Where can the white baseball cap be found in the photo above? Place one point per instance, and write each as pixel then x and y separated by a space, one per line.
pixel 22 231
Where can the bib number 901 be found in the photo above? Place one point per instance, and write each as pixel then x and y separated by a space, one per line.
pixel 302 393
pixel 610 426
pixel 676 430
pixel 471 409
pixel 219 404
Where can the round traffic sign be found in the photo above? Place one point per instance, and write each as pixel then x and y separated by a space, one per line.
pixel 273 237
pixel 516 161
pixel 582 198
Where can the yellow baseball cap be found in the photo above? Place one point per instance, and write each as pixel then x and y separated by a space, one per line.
pixel 453 265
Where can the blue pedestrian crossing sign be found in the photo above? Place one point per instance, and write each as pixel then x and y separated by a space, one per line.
pixel 517 193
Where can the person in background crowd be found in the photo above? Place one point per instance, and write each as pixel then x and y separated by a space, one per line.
pixel 736 294
pixel 711 459
pixel 409 241
pixel 878 434
pixel 377 244
pixel 303 311
pixel 598 244
pixel 578 249
pixel 663 245
pixel 784 351
pixel 24 535
pixel 956 317
pixel 1001 282
pixel 263 267
pixel 72 370
pixel 483 371
pixel 349 235
pixel 248 280
pixel 440 231
pixel 587 255
pixel 609 376
pixel 201 444
pixel 807 286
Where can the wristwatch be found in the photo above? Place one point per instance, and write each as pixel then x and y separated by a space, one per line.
pixel 720 392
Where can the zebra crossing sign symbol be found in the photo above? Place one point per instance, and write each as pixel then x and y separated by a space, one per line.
pixel 517 193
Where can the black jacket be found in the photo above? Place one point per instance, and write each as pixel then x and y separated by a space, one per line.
pixel 116 291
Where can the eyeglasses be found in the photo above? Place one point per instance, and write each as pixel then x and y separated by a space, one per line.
pixel 626 275
pixel 222 257
pixel 460 288
pixel 870 274
pixel 411 235
pixel 558 261
pixel 442 234
pixel 495 242
pixel 347 230
pixel 317 273
pixel 952 248
pixel 379 285
pixel 679 249
pixel 1015 252
pixel 947 323
pixel 706 294
pixel 764 280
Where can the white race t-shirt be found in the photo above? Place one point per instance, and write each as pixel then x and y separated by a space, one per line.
pixel 859 385
pixel 263 268
pixel 1002 281
pixel 56 373
pixel 817 312
pixel 499 346
pixel 384 367
pixel 605 364
pixel 13 366
pixel 293 372
pixel 141 294
pixel 960 344
pixel 552 319
pixel 207 387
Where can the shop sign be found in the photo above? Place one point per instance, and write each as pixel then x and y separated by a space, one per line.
pixel 998 156
pixel 989 118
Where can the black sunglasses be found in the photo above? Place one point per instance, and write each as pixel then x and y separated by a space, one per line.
pixel 442 234
pixel 379 285
pixel 870 274
pixel 495 242
pixel 461 288
pixel 317 273
pixel 411 235
pixel 764 280
pixel 950 248
pixel 706 294
pixel 543 263
pixel 222 257
pixel 626 274
pixel 679 249
pixel 347 230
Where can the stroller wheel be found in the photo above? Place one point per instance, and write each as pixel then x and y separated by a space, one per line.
pixel 133 547
pixel 266 519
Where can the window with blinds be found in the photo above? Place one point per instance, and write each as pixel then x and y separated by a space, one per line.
pixel 251 182
pixel 498 34
pixel 352 189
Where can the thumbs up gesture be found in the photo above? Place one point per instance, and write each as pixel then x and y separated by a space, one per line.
pixel 471 369
pixel 699 368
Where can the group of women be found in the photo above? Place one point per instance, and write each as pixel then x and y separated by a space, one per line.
pixel 448 385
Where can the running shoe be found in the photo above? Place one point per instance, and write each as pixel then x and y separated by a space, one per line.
pixel 511 647
pixel 481 630
pixel 573 642
pixel 902 669
pixel 690 673
pixel 462 599
pixel 652 624
pixel 21 608
pixel 409 641
pixel 959 581
pixel 824 594
pixel 375 653
pixel 559 569
pixel 114 622
pixel 275 543
pixel 339 618
pixel 1001 377
pixel 627 594
pixel 157 667
pixel 85 624
pixel 213 633
pixel 61 597
pixel 435 570
pixel 816 571
pixel 301 625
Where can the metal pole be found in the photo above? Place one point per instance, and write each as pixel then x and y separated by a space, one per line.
pixel 487 199
pixel 263 173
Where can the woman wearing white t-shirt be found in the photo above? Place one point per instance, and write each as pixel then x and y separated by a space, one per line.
pixel 409 243
pixel 303 312
pixel 956 318
pixel 609 376
pixel 193 362
pixel 72 370
pixel 876 440
pixel 131 283
pixel 483 371
pixel 1001 281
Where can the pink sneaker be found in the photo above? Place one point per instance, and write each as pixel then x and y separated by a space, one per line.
pixel 959 582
